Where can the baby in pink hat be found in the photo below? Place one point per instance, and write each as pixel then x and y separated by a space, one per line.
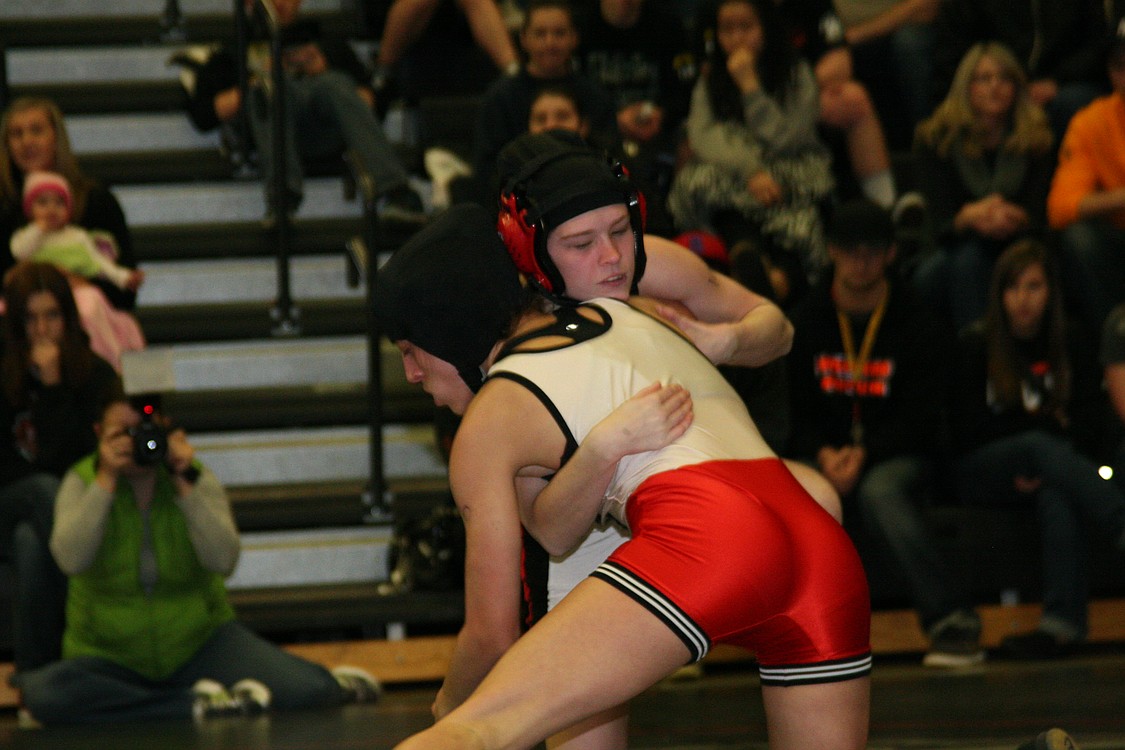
pixel 49 237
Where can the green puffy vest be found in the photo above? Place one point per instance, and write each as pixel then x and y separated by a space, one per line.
pixel 108 613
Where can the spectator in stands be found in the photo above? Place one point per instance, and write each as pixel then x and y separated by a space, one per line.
pixel 1086 202
pixel 549 37
pixel 641 53
pixel 328 110
pixel 35 139
pixel 1112 354
pixel 868 376
pixel 892 46
pixel 557 108
pixel 1026 393
pixel 49 237
pixel 1054 40
pixel 984 161
pixel 409 22
pixel 758 171
pixel 146 540
pixel 51 385
pixel 845 106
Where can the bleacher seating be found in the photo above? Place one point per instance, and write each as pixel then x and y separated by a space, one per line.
pixel 284 421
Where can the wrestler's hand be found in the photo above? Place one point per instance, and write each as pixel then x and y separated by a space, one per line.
pixel 715 340
pixel 651 419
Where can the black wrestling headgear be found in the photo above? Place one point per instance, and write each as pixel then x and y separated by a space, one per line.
pixel 452 290
pixel 549 178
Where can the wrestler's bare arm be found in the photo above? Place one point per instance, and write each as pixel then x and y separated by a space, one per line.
pixel 728 322
pixel 499 437
pixel 561 514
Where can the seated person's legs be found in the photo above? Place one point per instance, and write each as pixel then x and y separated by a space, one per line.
pixel 40 602
pixel 234 653
pixel 330 117
pixel 1092 268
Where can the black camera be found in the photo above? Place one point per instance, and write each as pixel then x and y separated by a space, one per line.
pixel 150 440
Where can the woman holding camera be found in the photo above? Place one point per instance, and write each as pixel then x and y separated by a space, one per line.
pixel 146 538
pixel 51 387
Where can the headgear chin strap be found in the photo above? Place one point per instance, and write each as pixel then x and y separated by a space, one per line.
pixel 557 182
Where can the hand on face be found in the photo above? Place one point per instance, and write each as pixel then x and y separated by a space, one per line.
pixel 44 359
pixel 742 66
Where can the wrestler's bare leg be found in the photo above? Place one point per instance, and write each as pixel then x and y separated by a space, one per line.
pixel 594 651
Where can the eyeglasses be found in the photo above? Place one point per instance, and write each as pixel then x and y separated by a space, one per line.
pixel 991 78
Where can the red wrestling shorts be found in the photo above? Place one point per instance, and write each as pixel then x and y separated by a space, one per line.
pixel 737 552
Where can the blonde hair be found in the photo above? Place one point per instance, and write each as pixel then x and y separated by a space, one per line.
pixel 953 122
pixel 11 179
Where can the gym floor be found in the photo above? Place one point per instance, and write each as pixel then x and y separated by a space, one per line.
pixel 995 706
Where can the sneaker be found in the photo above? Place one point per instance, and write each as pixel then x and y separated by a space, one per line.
pixel 909 214
pixel 24 719
pixel 402 205
pixel 444 166
pixel 245 698
pixel 358 684
pixel 253 696
pixel 1052 739
pixel 955 641
pixel 211 700
pixel 1038 644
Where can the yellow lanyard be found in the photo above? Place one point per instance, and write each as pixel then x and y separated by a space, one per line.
pixel 858 363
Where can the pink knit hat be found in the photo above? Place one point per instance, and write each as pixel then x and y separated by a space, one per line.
pixel 37 183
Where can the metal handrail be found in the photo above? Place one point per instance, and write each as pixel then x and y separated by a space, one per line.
pixel 363 263
pixel 285 314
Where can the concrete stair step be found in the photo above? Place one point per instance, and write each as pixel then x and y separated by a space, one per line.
pixel 243 280
pixel 120 9
pixel 227 202
pixel 35 66
pixel 124 133
pixel 242 238
pixel 309 557
pixel 326 361
pixel 329 454
pixel 241 321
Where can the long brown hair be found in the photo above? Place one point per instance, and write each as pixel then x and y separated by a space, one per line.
pixel 11 178
pixel 77 360
pixel 953 120
pixel 1005 368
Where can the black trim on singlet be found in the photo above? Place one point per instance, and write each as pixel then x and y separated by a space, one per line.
pixel 568 324
pixel 534 567
pixel 534 577
pixel 571 443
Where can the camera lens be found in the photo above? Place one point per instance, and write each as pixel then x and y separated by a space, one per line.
pixel 150 443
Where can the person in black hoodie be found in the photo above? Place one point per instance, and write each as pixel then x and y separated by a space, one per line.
pixel 1028 388
pixel 867 388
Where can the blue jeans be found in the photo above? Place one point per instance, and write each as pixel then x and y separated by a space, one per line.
pixel 26 513
pixel 88 690
pixel 898 71
pixel 1071 497
pixel 1093 268
pixel 324 116
pixel 954 279
pixel 888 498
